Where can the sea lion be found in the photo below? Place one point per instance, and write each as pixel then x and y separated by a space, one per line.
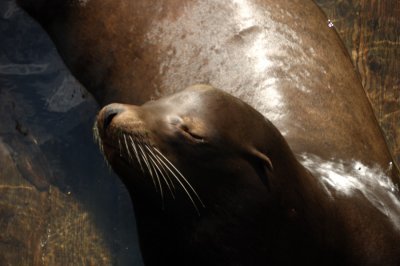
pixel 213 182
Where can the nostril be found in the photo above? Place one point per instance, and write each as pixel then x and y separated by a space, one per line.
pixel 109 114
pixel 107 120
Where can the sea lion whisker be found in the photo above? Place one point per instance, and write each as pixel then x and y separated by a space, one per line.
pixel 180 174
pixel 127 148
pixel 143 140
pixel 152 162
pixel 99 142
pixel 139 137
pixel 143 154
pixel 136 153
pixel 156 164
pixel 95 134
pixel 119 147
pixel 167 171
pixel 183 186
pixel 138 158
pixel 96 137
pixel 106 161
pixel 162 159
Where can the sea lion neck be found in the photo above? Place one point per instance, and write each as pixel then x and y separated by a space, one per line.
pixel 294 185
pixel 296 191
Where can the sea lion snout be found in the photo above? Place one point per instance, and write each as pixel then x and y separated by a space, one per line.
pixel 108 113
pixel 116 116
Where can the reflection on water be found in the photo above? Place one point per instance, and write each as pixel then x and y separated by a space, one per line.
pixel 59 203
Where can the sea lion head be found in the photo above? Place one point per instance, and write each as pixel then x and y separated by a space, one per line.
pixel 189 145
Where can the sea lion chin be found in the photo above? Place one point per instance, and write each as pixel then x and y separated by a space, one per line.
pixel 213 182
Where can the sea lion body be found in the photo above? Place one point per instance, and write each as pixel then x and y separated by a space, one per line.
pixel 245 199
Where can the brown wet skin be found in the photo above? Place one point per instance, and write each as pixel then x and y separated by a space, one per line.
pixel 260 205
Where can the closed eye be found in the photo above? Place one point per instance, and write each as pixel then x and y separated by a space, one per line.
pixel 195 137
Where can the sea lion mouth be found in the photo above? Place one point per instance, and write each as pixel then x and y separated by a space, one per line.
pixel 135 150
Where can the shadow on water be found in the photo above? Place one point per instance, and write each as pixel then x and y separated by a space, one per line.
pixel 59 202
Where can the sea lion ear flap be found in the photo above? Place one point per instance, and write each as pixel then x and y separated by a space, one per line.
pixel 266 166
pixel 263 158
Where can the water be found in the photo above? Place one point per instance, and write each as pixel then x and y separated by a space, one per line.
pixel 53 179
